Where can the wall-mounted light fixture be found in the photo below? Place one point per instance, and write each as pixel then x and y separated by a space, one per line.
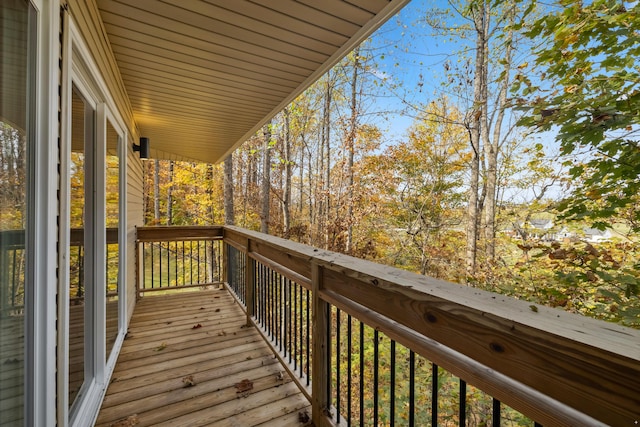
pixel 143 148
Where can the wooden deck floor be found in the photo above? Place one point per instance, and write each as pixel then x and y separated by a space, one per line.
pixel 188 360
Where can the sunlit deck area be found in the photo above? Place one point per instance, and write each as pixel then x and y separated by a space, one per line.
pixel 189 359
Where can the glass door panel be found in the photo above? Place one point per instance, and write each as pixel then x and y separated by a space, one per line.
pixel 80 263
pixel 17 71
pixel 112 248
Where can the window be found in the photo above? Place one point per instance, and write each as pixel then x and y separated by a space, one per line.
pixel 17 88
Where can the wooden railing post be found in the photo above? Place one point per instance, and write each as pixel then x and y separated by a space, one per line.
pixel 320 381
pixel 226 264
pixel 249 286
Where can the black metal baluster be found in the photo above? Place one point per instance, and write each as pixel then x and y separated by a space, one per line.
pixel 349 351
pixel 274 304
pixel 412 388
pixel 301 314
pixel 276 308
pixel 259 290
pixel 14 278
pixel 168 263
pixel 287 303
pixel 151 266
pixel 307 334
pixel 184 278
pixel 269 313
pixel 495 416
pixel 361 374
pixel 263 292
pixel 198 260
pixel 375 377
pixel 269 277
pixel 295 326
pixel 434 394
pixel 338 354
pixel 281 311
pixel 160 265
pixel 328 342
pixel 463 403
pixel 392 384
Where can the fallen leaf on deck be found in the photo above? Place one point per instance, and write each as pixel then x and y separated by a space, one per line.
pixel 130 421
pixel 244 386
pixel 162 346
pixel 196 326
pixel 222 334
pixel 189 381
pixel 11 361
pixel 303 417
pixel 217 310
pixel 201 308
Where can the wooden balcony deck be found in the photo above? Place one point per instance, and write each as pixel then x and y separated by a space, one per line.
pixel 188 359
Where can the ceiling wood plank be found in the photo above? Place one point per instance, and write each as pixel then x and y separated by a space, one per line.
pixel 257 24
pixel 342 9
pixel 305 13
pixel 121 26
pixel 315 30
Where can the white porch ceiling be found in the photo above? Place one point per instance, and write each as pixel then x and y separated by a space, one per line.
pixel 204 75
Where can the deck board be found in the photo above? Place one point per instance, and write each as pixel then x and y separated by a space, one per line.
pixel 199 335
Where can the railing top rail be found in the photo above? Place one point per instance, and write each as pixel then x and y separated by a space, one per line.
pixel 12 239
pixel 176 233
pixel 590 365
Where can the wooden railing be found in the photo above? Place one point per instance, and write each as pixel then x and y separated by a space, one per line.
pixel 178 257
pixel 12 266
pixel 369 343
pixel 12 256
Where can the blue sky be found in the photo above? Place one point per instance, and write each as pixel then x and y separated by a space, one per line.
pixel 412 60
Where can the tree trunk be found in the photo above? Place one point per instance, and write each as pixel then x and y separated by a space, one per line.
pixel 301 180
pixel 266 179
pixel 475 121
pixel 169 195
pixel 156 192
pixel 286 196
pixel 494 147
pixel 209 179
pixel 229 214
pixel 326 142
pixel 353 122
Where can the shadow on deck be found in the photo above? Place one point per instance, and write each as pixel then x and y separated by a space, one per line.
pixel 189 359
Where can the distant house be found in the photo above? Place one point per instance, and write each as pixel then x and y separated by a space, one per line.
pixel 564 234
pixel 537 229
pixel 593 235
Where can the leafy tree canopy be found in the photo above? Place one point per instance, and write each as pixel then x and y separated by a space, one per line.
pixel 586 84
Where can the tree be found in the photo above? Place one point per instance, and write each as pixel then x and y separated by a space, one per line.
pixel 351 136
pixel 229 213
pixel 265 193
pixel 586 84
pixel 425 186
pixel 156 192
pixel 477 76
pixel 287 160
